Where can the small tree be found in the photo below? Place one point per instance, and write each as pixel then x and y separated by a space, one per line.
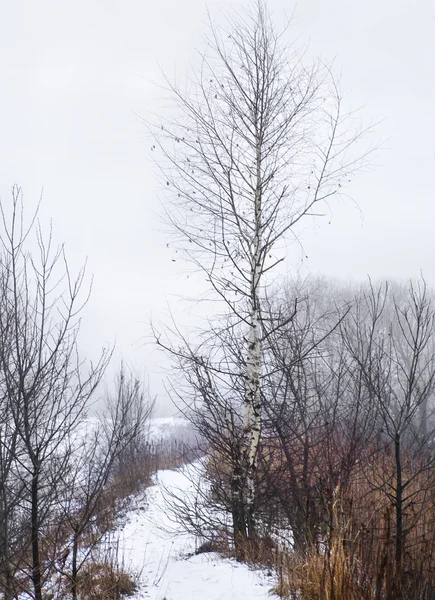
pixel 104 441
pixel 46 386
pixel 313 428
pixel 12 493
pixel 392 342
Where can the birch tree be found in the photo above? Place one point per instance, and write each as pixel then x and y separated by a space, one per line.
pixel 259 141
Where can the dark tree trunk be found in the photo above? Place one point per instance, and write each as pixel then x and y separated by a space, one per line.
pixel 6 575
pixel 74 569
pixel 36 555
pixel 238 512
pixel 399 505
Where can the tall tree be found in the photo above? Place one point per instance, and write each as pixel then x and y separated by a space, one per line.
pixel 260 139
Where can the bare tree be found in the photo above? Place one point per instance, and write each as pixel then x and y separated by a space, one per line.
pixel 260 141
pixel 47 387
pixel 312 427
pixel 391 340
pixel 104 441
pixel 212 400
pixel 12 491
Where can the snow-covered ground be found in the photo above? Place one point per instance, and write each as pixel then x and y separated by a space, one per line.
pixel 160 552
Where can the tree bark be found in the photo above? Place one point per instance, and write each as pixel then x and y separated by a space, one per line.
pixel 238 512
pixel 74 569
pixel 399 504
pixel 36 555
pixel 253 360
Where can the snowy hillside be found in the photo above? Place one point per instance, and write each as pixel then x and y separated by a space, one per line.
pixel 161 429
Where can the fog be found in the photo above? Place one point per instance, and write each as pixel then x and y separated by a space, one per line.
pixel 79 79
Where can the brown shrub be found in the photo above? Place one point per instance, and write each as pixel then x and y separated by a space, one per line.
pixel 105 581
pixel 356 560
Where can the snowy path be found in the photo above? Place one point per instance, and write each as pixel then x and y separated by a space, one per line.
pixel 160 556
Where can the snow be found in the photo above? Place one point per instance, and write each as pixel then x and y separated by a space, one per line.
pixel 159 551
pixel 164 429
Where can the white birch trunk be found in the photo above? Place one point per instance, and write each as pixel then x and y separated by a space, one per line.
pixel 252 415
pixel 254 398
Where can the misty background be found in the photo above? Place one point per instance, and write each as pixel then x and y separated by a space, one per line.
pixel 77 81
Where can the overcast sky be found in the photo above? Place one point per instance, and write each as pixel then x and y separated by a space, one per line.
pixel 74 77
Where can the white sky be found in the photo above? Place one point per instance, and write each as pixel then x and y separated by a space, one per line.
pixel 75 74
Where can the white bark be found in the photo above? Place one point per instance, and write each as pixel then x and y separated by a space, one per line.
pixel 252 417
pixel 253 410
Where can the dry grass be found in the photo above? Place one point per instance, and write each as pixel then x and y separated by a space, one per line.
pixel 105 581
pixel 353 554
pixel 335 572
pixel 357 558
pixel 102 577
